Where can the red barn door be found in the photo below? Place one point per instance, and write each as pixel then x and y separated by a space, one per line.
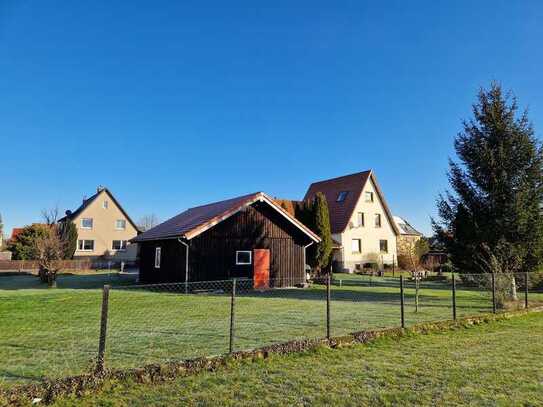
pixel 261 268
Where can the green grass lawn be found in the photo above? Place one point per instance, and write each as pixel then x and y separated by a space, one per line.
pixel 496 364
pixel 54 332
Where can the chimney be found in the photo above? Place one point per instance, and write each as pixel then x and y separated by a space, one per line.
pixel 84 198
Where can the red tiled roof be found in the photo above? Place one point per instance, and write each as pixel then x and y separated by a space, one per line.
pixel 196 220
pixel 15 232
pixel 341 212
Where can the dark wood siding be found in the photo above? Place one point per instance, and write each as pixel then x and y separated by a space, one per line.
pixel 172 261
pixel 212 254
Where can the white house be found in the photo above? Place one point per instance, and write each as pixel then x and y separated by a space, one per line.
pixel 361 222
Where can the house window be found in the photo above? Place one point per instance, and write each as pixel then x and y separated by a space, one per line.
pixel 105 204
pixel 158 253
pixel 369 196
pixel 120 224
pixel 86 223
pixel 85 245
pixel 341 196
pixel 118 245
pixel 377 220
pixel 360 219
pixel 243 257
pixel 383 246
pixel 356 245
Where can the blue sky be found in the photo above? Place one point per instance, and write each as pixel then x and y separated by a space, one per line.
pixel 174 104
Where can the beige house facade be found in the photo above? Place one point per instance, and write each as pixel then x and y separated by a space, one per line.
pixel 360 220
pixel 104 229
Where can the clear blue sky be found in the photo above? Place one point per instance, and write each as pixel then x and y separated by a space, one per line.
pixel 171 104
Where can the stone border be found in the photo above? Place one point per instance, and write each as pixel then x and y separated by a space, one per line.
pixel 48 390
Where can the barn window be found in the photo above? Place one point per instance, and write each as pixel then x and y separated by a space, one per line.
pixel 158 251
pixel 243 257
pixel 105 204
pixel 383 246
pixel 369 196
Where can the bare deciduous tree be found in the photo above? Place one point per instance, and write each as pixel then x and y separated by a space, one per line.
pixel 49 250
pixel 50 216
pixel 147 222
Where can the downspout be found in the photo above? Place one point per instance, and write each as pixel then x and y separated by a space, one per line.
pixel 186 265
pixel 305 248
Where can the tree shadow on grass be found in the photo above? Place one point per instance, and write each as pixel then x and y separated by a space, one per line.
pixel 67 281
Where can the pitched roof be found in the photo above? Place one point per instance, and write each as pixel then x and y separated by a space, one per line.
pixel 405 228
pixel 353 185
pixel 15 232
pixel 194 221
pixel 88 201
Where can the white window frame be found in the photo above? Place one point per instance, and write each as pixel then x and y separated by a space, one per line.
pixel 359 216
pixel 359 244
pixel 121 241
pixel 368 196
pixel 239 263
pixel 86 227
pixel 378 216
pixel 83 245
pixel 117 226
pixel 158 255
pixel 105 204
pixel 386 244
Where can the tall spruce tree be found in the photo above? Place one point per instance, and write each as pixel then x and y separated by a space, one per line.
pixel 321 226
pixel 491 221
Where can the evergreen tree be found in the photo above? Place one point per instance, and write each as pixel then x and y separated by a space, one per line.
pixel 491 221
pixel 321 226
pixel 68 236
pixel 23 246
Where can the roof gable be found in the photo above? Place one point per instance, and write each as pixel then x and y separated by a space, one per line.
pixel 341 211
pixel 197 220
pixel 87 202
pixel 405 227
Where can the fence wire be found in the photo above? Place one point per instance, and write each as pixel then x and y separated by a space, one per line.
pixel 48 335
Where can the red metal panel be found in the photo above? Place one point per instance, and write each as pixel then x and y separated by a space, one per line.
pixel 261 263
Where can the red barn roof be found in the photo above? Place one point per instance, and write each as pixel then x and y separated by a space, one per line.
pixel 194 221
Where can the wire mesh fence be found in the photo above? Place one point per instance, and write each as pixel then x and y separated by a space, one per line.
pixel 50 335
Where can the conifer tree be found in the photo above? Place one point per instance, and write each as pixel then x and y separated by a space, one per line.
pixel 491 220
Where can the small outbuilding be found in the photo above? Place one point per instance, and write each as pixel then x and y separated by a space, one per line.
pixel 245 237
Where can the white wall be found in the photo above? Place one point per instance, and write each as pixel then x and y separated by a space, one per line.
pixel 369 234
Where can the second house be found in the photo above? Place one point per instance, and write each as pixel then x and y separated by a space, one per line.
pixel 360 220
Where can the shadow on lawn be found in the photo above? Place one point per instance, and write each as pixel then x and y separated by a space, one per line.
pixel 67 281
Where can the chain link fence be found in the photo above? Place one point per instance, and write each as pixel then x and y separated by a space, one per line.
pixel 50 336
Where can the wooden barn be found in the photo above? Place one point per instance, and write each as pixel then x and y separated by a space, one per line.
pixel 246 237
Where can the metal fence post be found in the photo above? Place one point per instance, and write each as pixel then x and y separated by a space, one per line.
pixel 402 301
pixel 454 296
pixel 526 290
pixel 493 293
pixel 232 314
pixel 103 329
pixel 328 295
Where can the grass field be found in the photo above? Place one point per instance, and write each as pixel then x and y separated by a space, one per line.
pixel 496 364
pixel 54 332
